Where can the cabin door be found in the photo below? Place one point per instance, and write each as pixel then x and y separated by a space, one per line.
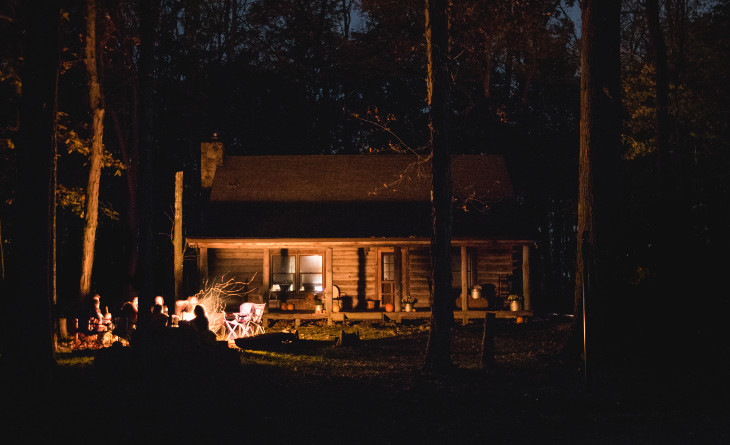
pixel 387 278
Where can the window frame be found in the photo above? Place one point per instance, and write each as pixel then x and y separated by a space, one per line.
pixel 297 254
pixel 389 270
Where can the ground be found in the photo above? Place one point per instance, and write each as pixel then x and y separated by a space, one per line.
pixel 312 391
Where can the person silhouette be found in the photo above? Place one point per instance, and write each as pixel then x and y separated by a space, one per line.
pixel 200 322
pixel 158 320
pixel 128 322
pixel 161 301
pixel 202 326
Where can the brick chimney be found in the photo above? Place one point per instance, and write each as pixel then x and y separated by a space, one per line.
pixel 211 156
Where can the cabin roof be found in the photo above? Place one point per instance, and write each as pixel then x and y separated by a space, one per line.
pixel 358 196
pixel 354 178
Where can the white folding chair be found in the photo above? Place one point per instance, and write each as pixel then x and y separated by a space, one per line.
pixel 237 326
pixel 231 327
pixel 253 323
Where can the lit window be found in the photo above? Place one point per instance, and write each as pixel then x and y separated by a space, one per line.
pixel 298 272
pixel 283 272
pixel 310 273
pixel 388 264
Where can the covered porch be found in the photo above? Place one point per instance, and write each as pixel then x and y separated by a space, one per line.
pixel 381 271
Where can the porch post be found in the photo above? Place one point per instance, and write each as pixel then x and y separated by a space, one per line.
pixel 464 281
pixel 398 284
pixel 526 276
pixel 406 286
pixel 265 275
pixel 203 266
pixel 328 285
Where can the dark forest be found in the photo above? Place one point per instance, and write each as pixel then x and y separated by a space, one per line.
pixel 349 77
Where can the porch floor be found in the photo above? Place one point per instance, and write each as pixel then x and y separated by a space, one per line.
pixel 333 317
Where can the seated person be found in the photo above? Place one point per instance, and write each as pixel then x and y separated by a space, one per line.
pixel 158 320
pixel 130 311
pixel 200 325
pixel 161 301
pixel 200 322
pixel 98 322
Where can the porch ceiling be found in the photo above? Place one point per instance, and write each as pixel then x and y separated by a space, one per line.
pixel 354 221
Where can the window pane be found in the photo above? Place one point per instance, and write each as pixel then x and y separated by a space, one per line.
pixel 282 281
pixel 388 267
pixel 283 264
pixel 311 282
pixel 310 264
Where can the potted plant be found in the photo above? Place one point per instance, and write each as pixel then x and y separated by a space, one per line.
pixel 318 304
pixel 515 302
pixel 408 302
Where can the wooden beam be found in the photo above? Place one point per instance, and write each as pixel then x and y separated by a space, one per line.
pixel 203 266
pixel 340 242
pixel 328 283
pixel 398 272
pixel 378 277
pixel 406 253
pixel 526 277
pixel 265 272
pixel 464 281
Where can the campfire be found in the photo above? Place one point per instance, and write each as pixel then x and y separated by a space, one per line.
pixel 215 296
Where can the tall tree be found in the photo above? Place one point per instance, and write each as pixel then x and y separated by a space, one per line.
pixel 146 189
pixel 30 344
pixel 91 214
pixel 599 167
pixel 661 78
pixel 121 99
pixel 438 351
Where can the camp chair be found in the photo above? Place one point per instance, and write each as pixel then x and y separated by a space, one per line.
pixel 217 323
pixel 231 328
pixel 236 326
pixel 252 324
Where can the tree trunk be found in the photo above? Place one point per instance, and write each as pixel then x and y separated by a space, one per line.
pixel 129 148
pixel 146 190
pixel 656 37
pixel 438 352
pixel 91 213
pixel 488 65
pixel 429 53
pixel 398 284
pixel 671 222
pixel 177 236
pixel 599 187
pixel 2 254
pixel 490 331
pixel 30 280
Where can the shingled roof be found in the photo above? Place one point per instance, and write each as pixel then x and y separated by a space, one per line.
pixel 358 196
pixel 358 178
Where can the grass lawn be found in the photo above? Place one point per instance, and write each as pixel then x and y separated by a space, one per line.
pixel 311 391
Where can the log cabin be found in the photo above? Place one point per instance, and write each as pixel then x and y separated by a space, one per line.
pixel 355 231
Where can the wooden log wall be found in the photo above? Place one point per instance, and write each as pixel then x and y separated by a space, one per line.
pixel 240 264
pixel 354 272
pixel 419 273
pixel 490 264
